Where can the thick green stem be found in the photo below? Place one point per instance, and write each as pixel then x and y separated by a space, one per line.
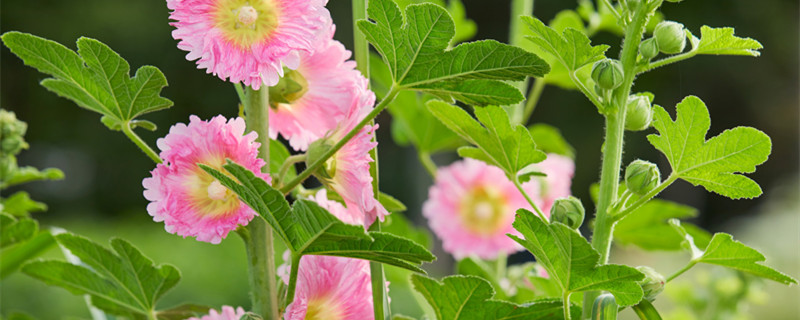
pixel 126 128
pixel 292 279
pixel 427 162
pixel 317 164
pixel 614 137
pixel 516 37
pixel 258 238
pixel 567 313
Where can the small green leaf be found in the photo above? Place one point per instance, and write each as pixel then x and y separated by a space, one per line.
pixel 721 41
pixel 391 203
pixel 549 139
pixel 95 78
pixel 715 163
pixel 278 153
pixel 307 228
pixel 398 224
pixel 572 262
pixel 13 257
pixel 468 297
pixel 20 204
pixel 726 252
pixel 415 50
pixel 15 231
pixel 510 148
pixel 122 282
pixel 31 174
pixel 647 227
pixel 571 48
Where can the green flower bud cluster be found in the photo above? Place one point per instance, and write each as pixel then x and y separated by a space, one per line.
pixel 607 74
pixel 642 176
pixel 568 211
pixel 648 48
pixel 670 37
pixel 639 113
pixel 652 284
pixel 12 132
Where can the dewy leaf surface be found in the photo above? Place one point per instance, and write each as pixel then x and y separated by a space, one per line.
pixel 95 78
pixel 715 163
pixel 498 143
pixel 572 262
pixel 307 228
pixel 120 282
pixel 572 48
pixel 726 252
pixel 469 297
pixel 415 48
pixel 721 41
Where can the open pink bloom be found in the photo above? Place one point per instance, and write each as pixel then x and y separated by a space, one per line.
pixel 247 41
pixel 471 207
pixel 557 183
pixel 328 85
pixel 331 288
pixel 228 313
pixel 189 200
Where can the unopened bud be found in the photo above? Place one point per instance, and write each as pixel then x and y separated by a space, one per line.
pixel 652 284
pixel 605 307
pixel 607 73
pixel 670 37
pixel 568 211
pixel 639 113
pixel 642 176
pixel 648 48
pixel 316 151
pixel 10 126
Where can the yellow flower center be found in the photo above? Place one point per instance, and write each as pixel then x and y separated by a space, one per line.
pixel 323 308
pixel 246 22
pixel 484 211
pixel 210 197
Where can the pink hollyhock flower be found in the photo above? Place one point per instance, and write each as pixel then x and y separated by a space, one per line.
pixel 557 183
pixel 328 86
pixel 247 41
pixel 471 207
pixel 189 200
pixel 228 313
pixel 331 288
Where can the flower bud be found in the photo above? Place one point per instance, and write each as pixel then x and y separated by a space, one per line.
pixel 289 89
pixel 10 126
pixel 642 176
pixel 639 113
pixel 605 307
pixel 8 166
pixel 13 145
pixel 568 211
pixel 607 73
pixel 652 284
pixel 316 151
pixel 648 48
pixel 670 37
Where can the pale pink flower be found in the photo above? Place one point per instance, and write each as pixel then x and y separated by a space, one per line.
pixel 189 200
pixel 228 313
pixel 471 207
pixel 349 215
pixel 331 288
pixel 330 86
pixel 557 183
pixel 247 41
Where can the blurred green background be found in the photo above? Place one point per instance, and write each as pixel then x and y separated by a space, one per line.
pixel 102 193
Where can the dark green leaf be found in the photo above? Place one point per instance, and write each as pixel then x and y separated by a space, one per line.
pixel 571 48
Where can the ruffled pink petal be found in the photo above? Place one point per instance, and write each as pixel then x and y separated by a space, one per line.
pixel 228 313
pixel 340 286
pixel 559 170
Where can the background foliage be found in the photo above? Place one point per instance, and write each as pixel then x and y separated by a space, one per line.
pixel 104 171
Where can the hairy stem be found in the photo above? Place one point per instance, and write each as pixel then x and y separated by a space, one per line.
pixel 644 199
pixel 682 270
pixel 516 37
pixel 292 279
pixel 666 61
pixel 288 164
pixel 612 152
pixel 530 201
pixel 317 164
pixel 126 128
pixel 258 240
pixel 427 162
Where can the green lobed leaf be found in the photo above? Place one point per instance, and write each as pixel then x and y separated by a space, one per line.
pixel 715 163
pixel 415 48
pixel 571 48
pixel 120 282
pixel 648 227
pixel 468 297
pixel 95 78
pixel 549 139
pixel 572 262
pixel 726 252
pixel 31 174
pixel 20 204
pixel 721 41
pixel 510 148
pixel 307 228
pixel 391 203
